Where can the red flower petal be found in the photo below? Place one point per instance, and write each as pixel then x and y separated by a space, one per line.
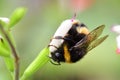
pixel 118 51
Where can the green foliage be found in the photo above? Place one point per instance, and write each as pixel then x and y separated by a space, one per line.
pixel 7 44
pixel 9 63
pixel 8 47
pixel 16 16
pixel 37 64
pixel 3 49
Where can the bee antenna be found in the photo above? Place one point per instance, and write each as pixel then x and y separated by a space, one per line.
pixel 74 16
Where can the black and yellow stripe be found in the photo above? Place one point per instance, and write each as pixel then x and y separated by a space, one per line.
pixel 82 30
pixel 67 56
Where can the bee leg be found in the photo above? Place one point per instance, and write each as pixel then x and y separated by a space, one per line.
pixel 64 38
pixel 51 61
pixel 58 63
pixel 53 46
pixel 58 37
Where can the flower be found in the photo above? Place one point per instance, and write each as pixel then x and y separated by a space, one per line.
pixel 116 29
pixel 118 44
pixel 76 5
pixel 6 20
pixel 81 5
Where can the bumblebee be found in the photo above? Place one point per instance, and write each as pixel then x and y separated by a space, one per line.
pixel 72 41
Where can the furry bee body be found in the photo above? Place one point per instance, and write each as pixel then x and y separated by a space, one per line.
pixel 63 44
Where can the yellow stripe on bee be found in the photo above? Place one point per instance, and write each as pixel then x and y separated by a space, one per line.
pixel 83 30
pixel 66 54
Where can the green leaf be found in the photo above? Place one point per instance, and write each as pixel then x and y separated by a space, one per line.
pixel 16 16
pixel 2 28
pixel 37 64
pixel 4 50
pixel 9 63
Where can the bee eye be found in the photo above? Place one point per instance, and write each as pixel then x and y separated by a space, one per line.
pixel 82 25
pixel 57 54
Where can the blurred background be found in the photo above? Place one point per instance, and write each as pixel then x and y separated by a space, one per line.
pixel 43 17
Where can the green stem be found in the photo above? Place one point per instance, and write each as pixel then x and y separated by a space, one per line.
pixel 14 53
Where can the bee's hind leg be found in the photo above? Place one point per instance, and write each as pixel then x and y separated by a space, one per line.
pixel 64 38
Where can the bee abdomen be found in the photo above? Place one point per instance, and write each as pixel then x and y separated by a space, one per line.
pixel 77 54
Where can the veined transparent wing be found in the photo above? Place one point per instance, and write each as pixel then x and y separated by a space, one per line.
pixel 96 43
pixel 93 35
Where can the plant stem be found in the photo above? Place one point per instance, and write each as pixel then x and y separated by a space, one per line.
pixel 14 53
pixel 16 58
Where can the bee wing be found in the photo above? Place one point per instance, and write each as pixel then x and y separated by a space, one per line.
pixel 94 34
pixel 96 43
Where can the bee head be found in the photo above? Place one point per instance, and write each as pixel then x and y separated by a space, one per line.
pixel 56 57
